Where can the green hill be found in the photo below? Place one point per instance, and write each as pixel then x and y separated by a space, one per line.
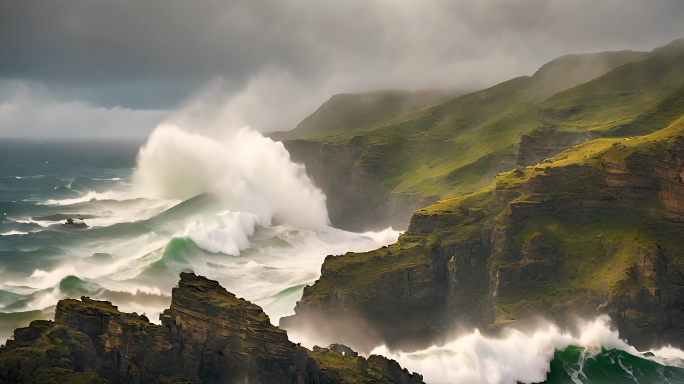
pixel 346 113
pixel 454 148
pixel 592 223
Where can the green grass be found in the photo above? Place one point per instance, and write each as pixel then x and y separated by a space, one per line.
pixel 455 147
pixel 596 248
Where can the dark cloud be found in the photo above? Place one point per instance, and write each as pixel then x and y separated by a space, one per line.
pixel 152 54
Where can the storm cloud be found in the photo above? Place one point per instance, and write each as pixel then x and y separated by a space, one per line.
pixel 276 61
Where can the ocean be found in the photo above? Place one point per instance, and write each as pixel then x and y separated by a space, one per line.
pixel 238 211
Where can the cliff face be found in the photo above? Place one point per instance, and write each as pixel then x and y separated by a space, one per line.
pixel 357 200
pixel 207 336
pixel 598 229
pixel 378 162
pixel 540 145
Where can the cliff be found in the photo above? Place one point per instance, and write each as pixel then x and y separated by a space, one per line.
pixel 542 144
pixel 207 336
pixel 378 158
pixel 357 200
pixel 597 229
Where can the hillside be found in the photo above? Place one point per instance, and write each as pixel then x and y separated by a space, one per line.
pixel 597 229
pixel 376 176
pixel 345 113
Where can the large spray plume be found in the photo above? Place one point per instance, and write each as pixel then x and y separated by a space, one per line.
pixel 200 151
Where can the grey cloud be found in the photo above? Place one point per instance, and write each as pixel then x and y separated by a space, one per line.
pixel 30 111
pixel 152 54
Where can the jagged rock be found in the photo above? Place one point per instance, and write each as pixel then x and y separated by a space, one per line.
pixel 207 336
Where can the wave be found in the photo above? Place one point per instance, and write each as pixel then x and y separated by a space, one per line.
pixel 229 235
pixel 596 355
pixel 248 172
pixel 42 223
pixel 28 177
pixel 234 208
pixel 13 232
pixel 109 179
pixel 91 195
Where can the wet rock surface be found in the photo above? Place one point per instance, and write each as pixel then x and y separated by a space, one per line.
pixel 207 336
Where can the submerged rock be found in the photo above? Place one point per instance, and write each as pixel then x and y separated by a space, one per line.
pixel 207 336
pixel 71 223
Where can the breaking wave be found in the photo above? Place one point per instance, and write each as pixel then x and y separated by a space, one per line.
pixel 595 355
pixel 232 207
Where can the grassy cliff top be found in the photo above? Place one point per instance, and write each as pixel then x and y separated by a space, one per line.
pixel 455 147
pixel 597 246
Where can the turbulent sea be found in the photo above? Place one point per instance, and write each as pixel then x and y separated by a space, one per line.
pixel 134 247
pixel 238 211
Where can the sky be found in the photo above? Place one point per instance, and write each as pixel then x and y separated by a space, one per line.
pixel 95 68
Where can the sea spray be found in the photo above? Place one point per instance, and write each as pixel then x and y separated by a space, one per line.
pixel 246 170
pixel 258 225
pixel 546 355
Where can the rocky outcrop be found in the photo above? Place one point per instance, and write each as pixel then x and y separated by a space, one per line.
pixel 548 115
pixel 670 178
pixel 207 336
pixel 543 144
pixel 597 230
pixel 538 264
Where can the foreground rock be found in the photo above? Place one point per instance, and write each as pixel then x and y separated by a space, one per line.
pixel 207 336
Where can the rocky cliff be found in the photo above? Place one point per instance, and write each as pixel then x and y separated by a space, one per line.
pixel 378 161
pixel 207 336
pixel 597 229
pixel 357 200
pixel 545 143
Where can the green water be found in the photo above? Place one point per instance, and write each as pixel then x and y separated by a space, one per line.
pixel 575 365
pixel 133 248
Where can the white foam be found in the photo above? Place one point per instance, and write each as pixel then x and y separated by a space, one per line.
pixel 229 236
pixel 248 172
pixel 251 175
pixel 11 233
pixel 42 223
pixel 91 195
pixel 385 237
pixel 518 357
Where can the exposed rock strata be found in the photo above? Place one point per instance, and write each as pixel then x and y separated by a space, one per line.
pixel 356 201
pixel 207 336
pixel 610 226
pixel 540 145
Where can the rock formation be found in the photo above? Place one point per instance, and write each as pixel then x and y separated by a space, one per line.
pixel 207 336
pixel 597 229
pixel 356 199
pixel 543 144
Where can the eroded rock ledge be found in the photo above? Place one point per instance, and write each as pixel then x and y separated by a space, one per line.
pixel 207 336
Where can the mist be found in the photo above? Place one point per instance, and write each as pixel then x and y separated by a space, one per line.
pixel 277 62
pixel 518 356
